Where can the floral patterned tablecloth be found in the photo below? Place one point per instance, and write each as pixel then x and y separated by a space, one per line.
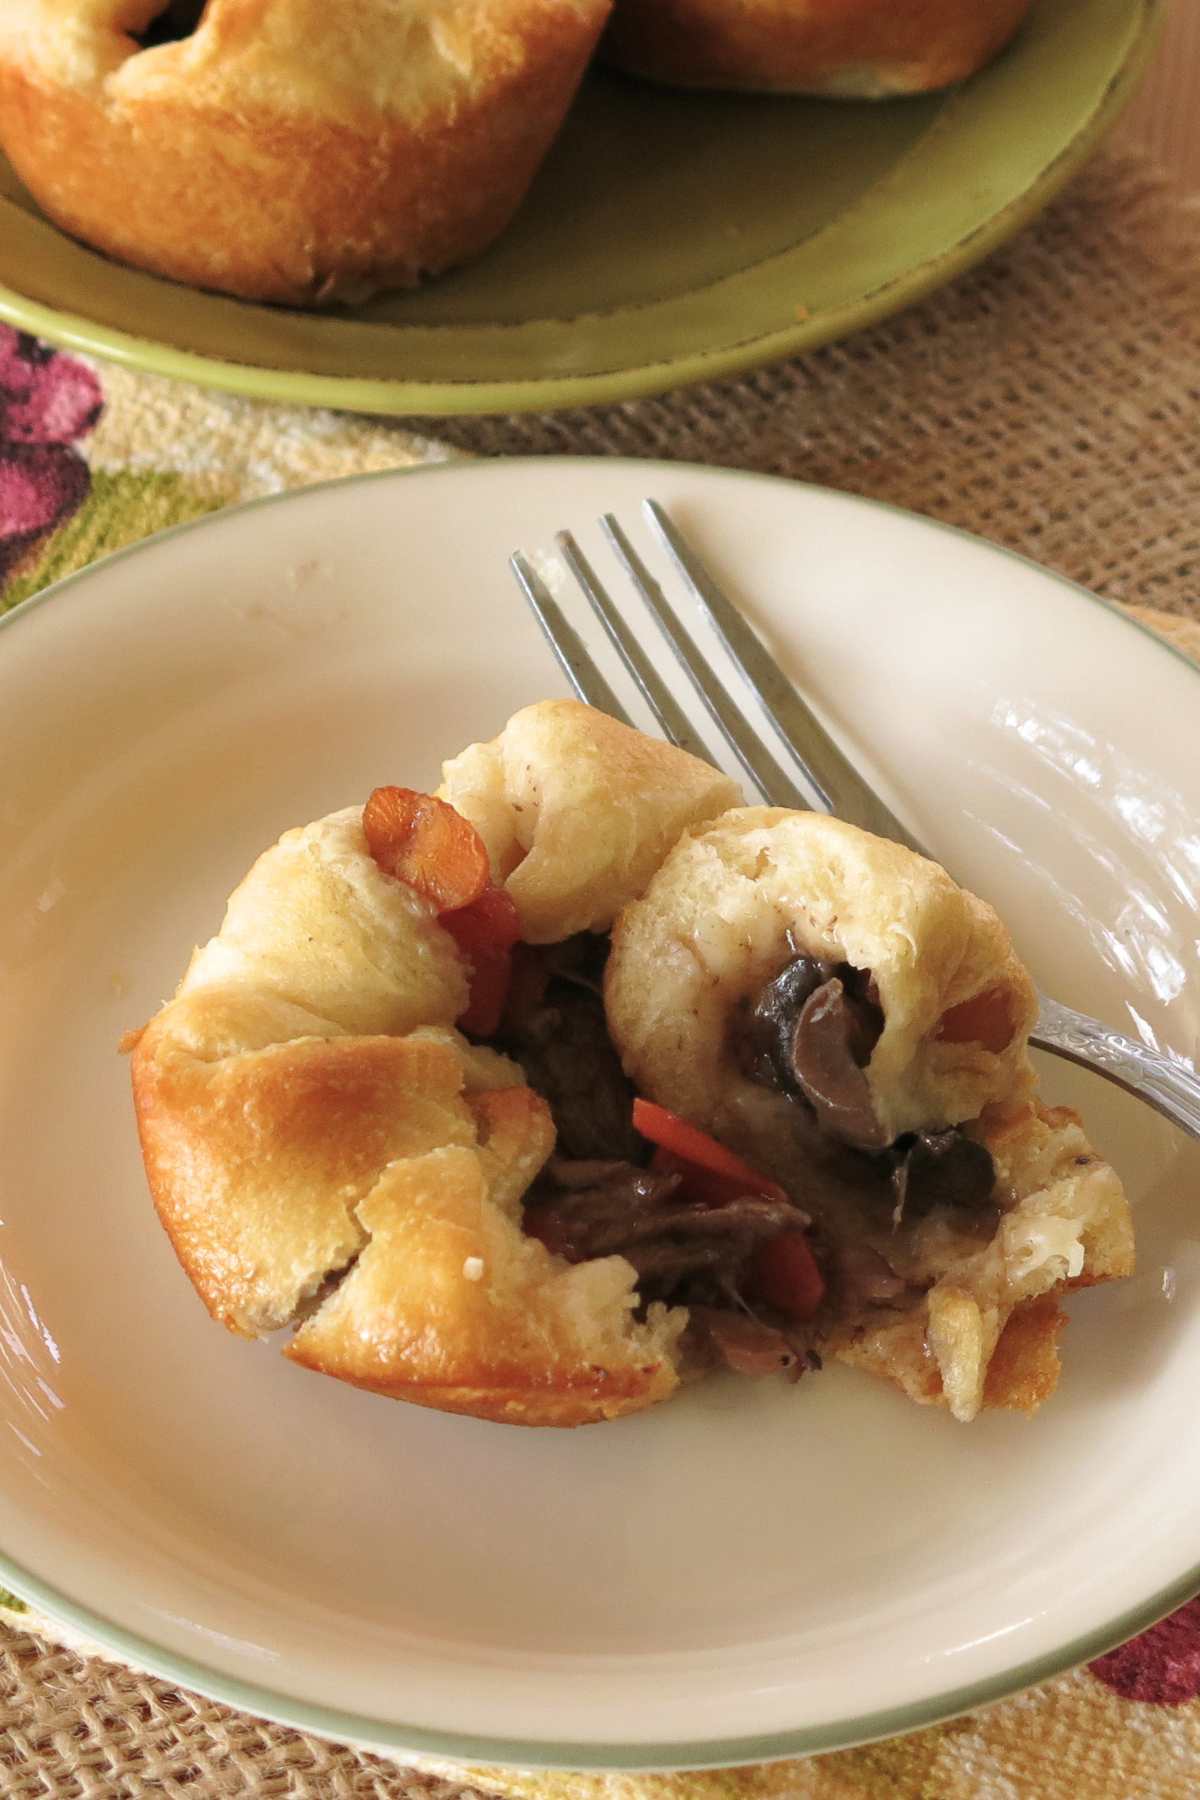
pixel 1047 400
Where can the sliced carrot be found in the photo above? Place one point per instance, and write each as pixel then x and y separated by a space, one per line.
pixel 426 844
pixel 693 1147
pixel 783 1270
pixel 784 1273
pixel 986 1019
pixel 486 932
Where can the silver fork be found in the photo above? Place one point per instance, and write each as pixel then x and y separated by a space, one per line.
pixel 1164 1081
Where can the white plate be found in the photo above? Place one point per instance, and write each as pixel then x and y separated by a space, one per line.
pixel 754 1570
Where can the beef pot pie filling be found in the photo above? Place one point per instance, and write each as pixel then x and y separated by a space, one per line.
pixel 335 1139
pixel 600 1196
pixel 890 1215
pixel 807 1036
pixel 760 1274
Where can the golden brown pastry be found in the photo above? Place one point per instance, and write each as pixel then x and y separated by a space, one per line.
pixel 840 1012
pixel 325 1148
pixel 851 49
pixel 577 811
pixel 385 1109
pixel 291 150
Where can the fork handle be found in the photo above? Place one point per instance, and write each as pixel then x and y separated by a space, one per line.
pixel 1166 1083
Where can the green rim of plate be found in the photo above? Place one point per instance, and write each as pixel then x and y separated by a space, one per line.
pixel 463 1747
pixel 933 186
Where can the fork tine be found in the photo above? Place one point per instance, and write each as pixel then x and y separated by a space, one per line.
pixel 775 786
pixel 1154 1078
pixel 573 657
pixel 839 785
pixel 677 727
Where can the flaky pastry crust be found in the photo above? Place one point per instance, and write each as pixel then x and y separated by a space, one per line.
pixel 325 1149
pixel 290 150
pixel 328 1152
pixel 578 811
pixel 732 904
pixel 712 927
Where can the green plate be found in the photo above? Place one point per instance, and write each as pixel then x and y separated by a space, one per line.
pixel 669 238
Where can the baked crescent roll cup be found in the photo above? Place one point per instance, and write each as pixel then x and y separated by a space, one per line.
pixel 577 812
pixel 326 1150
pixel 329 1152
pixel 839 1011
pixel 851 49
pixel 290 150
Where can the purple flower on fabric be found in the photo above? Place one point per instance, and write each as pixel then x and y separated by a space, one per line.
pixel 1162 1665
pixel 48 401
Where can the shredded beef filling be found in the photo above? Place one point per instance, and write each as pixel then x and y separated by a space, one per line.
pixel 555 1027
pixel 586 1209
pixel 864 1278
pixel 685 1253
pixel 809 1034
pixel 595 1197
pixel 748 1345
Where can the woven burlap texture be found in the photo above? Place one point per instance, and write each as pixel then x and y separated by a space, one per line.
pixel 1046 401
pixel 75 1727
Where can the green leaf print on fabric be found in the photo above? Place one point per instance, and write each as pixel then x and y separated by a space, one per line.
pixel 121 509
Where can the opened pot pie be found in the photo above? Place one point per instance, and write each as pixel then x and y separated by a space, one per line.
pixel 421 1099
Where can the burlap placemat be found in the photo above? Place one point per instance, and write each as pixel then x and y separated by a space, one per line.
pixel 1046 401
